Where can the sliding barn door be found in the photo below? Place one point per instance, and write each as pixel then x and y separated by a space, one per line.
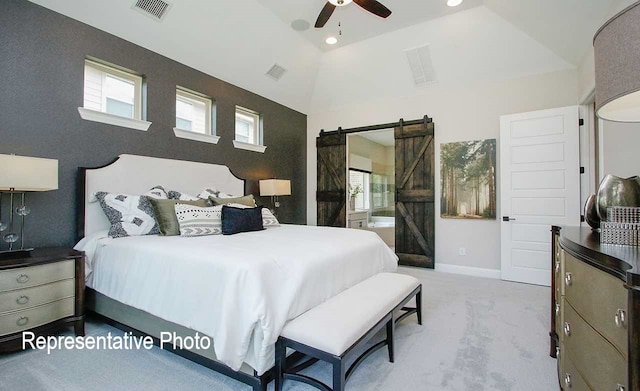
pixel 415 219
pixel 332 180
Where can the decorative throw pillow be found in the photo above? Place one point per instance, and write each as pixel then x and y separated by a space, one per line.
pixel 177 195
pixel 130 215
pixel 269 219
pixel 236 220
pixel 212 192
pixel 197 221
pixel 165 214
pixel 247 200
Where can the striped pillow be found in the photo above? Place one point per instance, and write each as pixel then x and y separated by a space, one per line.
pixel 198 221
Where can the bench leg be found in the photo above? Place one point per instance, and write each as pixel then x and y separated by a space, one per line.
pixel 338 375
pixel 390 329
pixel 419 306
pixel 280 362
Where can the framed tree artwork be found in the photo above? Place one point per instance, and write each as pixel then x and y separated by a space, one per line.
pixel 468 179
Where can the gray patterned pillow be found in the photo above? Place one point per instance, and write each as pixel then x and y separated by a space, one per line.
pixel 130 215
pixel 177 195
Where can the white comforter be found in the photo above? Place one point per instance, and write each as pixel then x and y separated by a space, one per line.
pixel 238 289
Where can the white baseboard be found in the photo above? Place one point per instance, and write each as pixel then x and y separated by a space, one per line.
pixel 468 270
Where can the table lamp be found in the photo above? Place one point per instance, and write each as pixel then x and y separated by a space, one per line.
pixel 275 188
pixel 19 175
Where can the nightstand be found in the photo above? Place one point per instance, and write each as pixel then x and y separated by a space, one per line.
pixel 40 293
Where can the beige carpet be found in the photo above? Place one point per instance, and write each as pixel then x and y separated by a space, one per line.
pixel 478 334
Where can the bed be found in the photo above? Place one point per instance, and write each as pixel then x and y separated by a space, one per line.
pixel 237 289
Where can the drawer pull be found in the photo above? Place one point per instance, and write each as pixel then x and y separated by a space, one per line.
pixel 620 387
pixel 22 321
pixel 557 309
pixel 620 317
pixel 22 278
pixel 558 352
pixel 568 279
pixel 567 380
pixel 557 266
pixel 567 329
pixel 22 300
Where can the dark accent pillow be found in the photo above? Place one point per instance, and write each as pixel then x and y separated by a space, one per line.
pixel 165 214
pixel 236 220
pixel 247 200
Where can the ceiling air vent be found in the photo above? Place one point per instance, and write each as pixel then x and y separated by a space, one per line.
pixel 421 65
pixel 155 9
pixel 276 71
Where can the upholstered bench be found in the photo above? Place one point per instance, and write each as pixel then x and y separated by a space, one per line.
pixel 334 330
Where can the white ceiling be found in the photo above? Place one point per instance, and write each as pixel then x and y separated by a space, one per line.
pixel 238 41
pixel 356 23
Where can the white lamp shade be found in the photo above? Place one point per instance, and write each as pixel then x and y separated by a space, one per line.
pixel 22 173
pixel 617 52
pixel 275 187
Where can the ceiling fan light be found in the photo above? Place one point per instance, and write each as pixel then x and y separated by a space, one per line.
pixel 454 3
pixel 331 40
pixel 340 3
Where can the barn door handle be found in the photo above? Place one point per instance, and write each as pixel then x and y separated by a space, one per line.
pixel 507 218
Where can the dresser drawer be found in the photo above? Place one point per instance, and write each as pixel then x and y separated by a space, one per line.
pixel 558 271
pixel 599 298
pixel 25 277
pixel 37 316
pixel 558 308
pixel 602 366
pixel 18 299
pixel 357 224
pixel 571 380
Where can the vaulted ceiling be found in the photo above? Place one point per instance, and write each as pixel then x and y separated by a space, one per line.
pixel 238 41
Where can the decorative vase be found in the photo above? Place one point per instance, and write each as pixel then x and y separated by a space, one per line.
pixel 616 191
pixel 591 213
pixel 352 203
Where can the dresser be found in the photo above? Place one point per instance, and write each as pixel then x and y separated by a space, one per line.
pixel 595 312
pixel 358 219
pixel 40 293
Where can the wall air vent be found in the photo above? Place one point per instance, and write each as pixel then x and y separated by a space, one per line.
pixel 156 9
pixel 421 65
pixel 276 71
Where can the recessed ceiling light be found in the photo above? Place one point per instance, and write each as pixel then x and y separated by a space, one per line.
pixel 340 3
pixel 300 25
pixel 331 40
pixel 454 3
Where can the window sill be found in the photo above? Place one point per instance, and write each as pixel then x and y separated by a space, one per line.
pixel 205 138
pixel 106 118
pixel 249 147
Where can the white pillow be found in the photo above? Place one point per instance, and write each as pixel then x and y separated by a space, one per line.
pixel 197 221
pixel 213 192
pixel 130 215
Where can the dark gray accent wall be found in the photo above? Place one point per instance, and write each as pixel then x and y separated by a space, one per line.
pixel 42 57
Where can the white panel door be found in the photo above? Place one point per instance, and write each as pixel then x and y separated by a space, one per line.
pixel 540 187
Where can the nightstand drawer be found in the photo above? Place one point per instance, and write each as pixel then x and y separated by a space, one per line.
pixel 602 366
pixel 37 316
pixel 358 224
pixel 25 277
pixel 18 299
pixel 599 298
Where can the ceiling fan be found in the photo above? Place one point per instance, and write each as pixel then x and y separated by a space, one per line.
pixel 372 6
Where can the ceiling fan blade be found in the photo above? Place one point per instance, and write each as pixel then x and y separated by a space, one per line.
pixel 325 14
pixel 374 7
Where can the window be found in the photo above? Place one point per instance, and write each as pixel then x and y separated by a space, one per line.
pixel 193 112
pixel 359 183
pixel 113 96
pixel 247 126
pixel 194 116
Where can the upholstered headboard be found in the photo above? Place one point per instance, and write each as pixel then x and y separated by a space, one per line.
pixel 132 174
